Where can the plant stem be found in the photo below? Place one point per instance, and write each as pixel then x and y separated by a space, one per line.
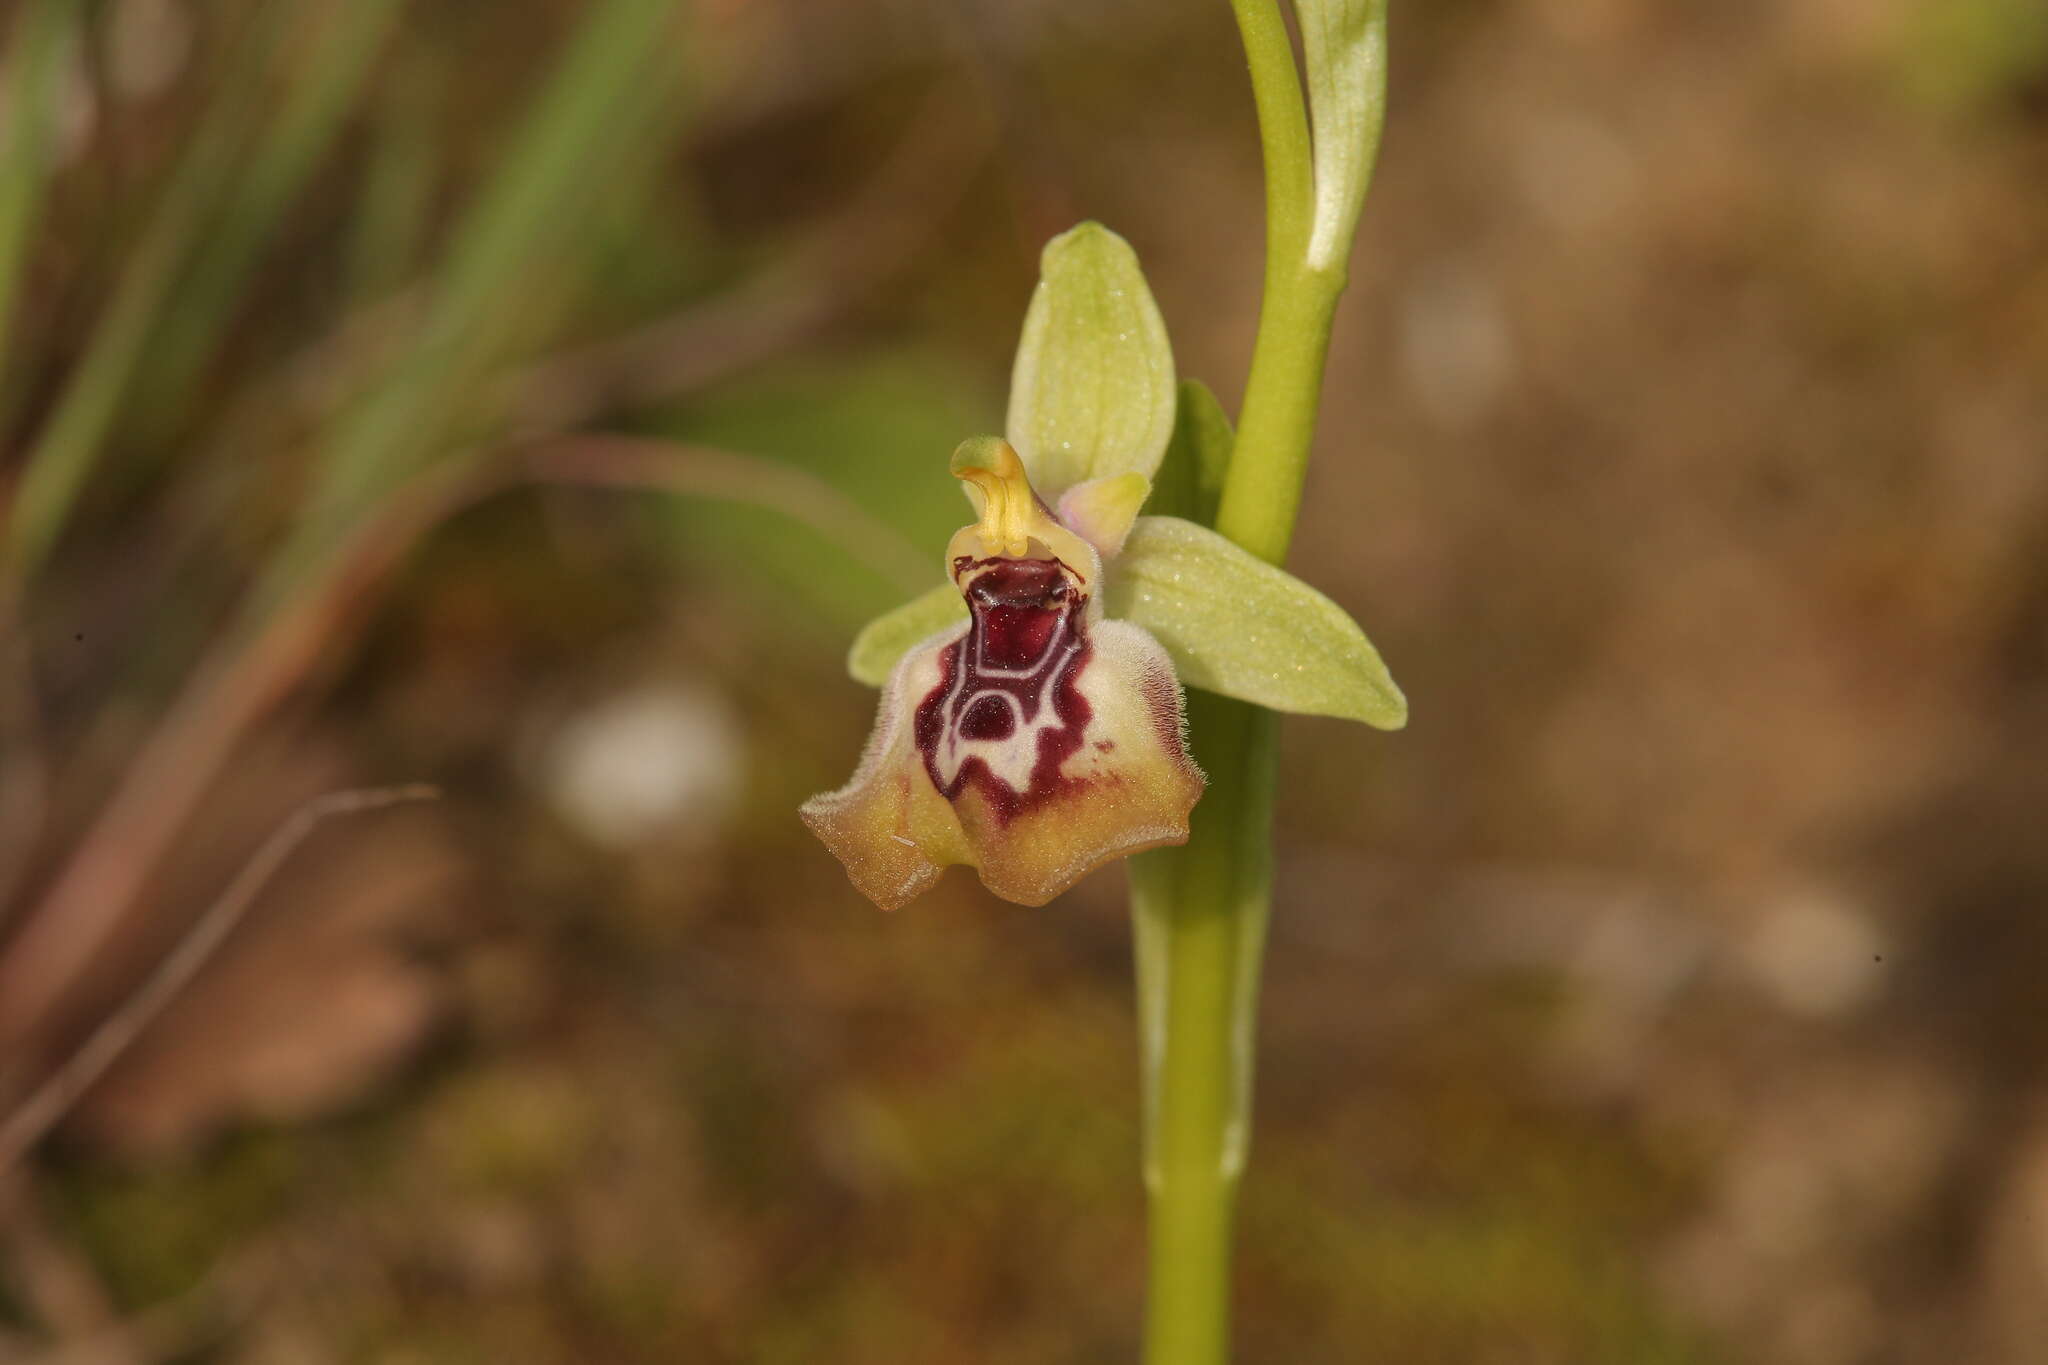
pixel 1199 912
pixel 1262 491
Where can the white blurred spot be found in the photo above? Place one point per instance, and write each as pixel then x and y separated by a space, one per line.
pixel 1816 954
pixel 77 114
pixel 656 762
pixel 1455 350
pixel 147 43
pixel 1577 173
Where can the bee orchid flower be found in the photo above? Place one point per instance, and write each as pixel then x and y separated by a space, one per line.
pixel 1037 739
pixel 1031 718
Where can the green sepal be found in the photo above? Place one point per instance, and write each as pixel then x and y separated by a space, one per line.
pixel 1237 625
pixel 1091 394
pixel 1190 481
pixel 891 635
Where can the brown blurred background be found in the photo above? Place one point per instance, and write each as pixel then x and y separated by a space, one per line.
pixel 1669 991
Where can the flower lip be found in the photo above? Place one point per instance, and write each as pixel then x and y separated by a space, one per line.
pixel 1013 581
pixel 1008 711
pixel 1018 607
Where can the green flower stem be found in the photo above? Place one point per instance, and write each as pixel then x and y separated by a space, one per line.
pixel 1262 490
pixel 1199 912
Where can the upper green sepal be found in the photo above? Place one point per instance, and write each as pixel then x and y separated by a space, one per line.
pixel 1237 625
pixel 890 636
pixel 1091 394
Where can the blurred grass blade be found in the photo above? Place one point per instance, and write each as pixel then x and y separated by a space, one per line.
pixel 693 470
pixel 596 103
pixel 319 94
pixel 61 458
pixel 43 39
pixel 398 188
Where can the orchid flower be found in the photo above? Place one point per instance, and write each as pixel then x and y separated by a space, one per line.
pixel 1031 718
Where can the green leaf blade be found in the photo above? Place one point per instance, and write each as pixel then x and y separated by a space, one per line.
pixel 887 638
pixel 1092 392
pixel 1344 56
pixel 1237 625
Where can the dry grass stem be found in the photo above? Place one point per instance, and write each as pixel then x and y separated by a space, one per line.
pixel 28 1124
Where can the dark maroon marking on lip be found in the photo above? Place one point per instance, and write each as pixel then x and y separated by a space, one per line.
pixel 988 718
pixel 1027 620
pixel 1073 577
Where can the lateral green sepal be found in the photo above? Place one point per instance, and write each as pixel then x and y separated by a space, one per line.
pixel 1190 479
pixel 1237 625
pixel 891 635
